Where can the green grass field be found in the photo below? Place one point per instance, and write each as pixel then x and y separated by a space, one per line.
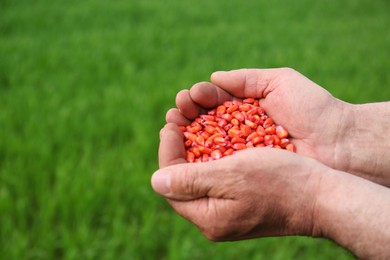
pixel 84 86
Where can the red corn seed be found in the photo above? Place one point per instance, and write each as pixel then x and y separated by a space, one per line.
pixel 215 136
pixel 200 140
pixel 256 119
pixel 216 154
pixel 205 157
pixel 236 102
pixel 222 123
pixel 235 121
pixel 276 139
pixel 281 132
pixel 195 123
pixel 260 131
pixel 210 123
pixel 244 114
pixel 194 129
pixel 291 147
pixel 231 127
pixel 245 107
pixel 233 132
pixel 252 136
pixel 284 142
pixel 270 130
pixel 227 117
pixel 221 131
pixel 250 124
pixel 190 157
pixel 188 143
pixel 231 109
pixel 252 111
pixel 268 122
pixel 239 146
pixel 249 100
pixel 205 150
pixel 209 142
pixel 227 127
pixel 239 116
pixel 190 136
pixel 268 140
pixel 245 130
pixel 197 120
pixel 257 140
pixel 207 117
pixel 229 151
pixel 196 151
pixel 210 129
pixel 219 140
pixel 237 139
pixel 261 111
pixel 205 135
pixel 220 148
pixel 249 144
pixel 221 110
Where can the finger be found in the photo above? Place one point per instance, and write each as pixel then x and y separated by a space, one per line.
pixel 248 82
pixel 192 181
pixel 186 105
pixel 208 95
pixel 171 150
pixel 182 183
pixel 175 116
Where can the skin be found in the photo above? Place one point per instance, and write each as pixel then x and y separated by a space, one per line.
pixel 280 193
pixel 343 136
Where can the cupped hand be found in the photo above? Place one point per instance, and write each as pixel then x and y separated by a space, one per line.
pixel 317 121
pixel 257 192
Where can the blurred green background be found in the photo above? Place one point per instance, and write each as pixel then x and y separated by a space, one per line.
pixel 84 87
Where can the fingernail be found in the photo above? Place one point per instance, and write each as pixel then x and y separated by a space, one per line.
pixel 161 182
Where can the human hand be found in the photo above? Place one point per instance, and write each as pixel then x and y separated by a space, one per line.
pixel 255 193
pixel 318 123
pixel 262 192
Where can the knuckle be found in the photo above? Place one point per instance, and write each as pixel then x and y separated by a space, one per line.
pixel 288 71
pixel 189 181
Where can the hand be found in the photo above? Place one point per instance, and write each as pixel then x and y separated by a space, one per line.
pixel 318 123
pixel 262 192
pixel 255 193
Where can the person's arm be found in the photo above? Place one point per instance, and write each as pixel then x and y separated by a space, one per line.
pixel 355 213
pixel 264 192
pixel 367 142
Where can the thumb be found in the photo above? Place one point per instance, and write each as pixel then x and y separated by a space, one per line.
pixel 248 82
pixel 187 181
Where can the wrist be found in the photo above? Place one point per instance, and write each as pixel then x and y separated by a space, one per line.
pixel 340 128
pixel 365 147
pixel 303 220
